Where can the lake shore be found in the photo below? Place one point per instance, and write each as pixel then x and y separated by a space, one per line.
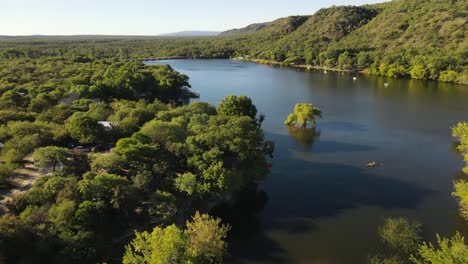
pixel 299 66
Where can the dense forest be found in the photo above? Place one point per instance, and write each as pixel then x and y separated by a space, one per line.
pixel 115 148
pixel 418 39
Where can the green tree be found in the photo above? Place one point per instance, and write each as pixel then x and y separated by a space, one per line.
pixel 401 234
pixel 418 72
pixel 237 105
pixel 447 251
pixel 303 114
pixel 161 246
pixel 6 171
pixel 51 156
pixel 202 242
pixel 84 129
pixel 112 189
pixel 461 193
pixel 448 76
pixel 460 131
pixel 187 183
pixel 345 61
pixel 206 238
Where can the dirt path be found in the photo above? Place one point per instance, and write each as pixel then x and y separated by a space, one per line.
pixel 22 181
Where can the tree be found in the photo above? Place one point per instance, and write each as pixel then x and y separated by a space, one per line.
pixel 99 111
pixel 51 156
pixel 345 61
pixel 163 207
pixel 364 60
pixel 108 162
pixel 448 76
pixel 418 72
pixel 83 128
pixel 461 193
pixel 460 131
pixel 161 246
pixel 187 183
pixel 112 189
pixel 202 242
pixel 401 234
pixel 137 149
pixel 206 237
pixel 237 105
pixel 303 114
pixel 452 250
pixel 6 171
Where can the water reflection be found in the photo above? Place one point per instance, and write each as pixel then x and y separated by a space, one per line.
pixel 304 137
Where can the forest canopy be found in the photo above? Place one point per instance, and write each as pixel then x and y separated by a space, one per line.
pixel 117 148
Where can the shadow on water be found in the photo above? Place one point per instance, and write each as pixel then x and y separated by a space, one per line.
pixel 242 216
pixel 302 191
pixel 344 126
pixel 306 139
pixel 335 146
pixel 316 189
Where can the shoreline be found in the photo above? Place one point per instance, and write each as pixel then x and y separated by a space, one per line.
pixel 299 66
pixel 292 65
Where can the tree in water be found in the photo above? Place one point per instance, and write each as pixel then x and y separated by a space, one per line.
pixel 302 115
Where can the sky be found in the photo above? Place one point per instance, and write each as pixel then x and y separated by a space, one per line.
pixel 147 17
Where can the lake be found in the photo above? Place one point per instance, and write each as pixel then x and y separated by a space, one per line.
pixel 321 204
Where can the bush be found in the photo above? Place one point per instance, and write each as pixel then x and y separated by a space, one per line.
pixel 401 234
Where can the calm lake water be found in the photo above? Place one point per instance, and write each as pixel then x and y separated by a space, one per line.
pixel 320 204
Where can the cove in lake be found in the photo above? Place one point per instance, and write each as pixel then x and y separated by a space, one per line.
pixel 320 204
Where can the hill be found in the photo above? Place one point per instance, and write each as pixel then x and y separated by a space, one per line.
pixel 249 29
pixel 424 39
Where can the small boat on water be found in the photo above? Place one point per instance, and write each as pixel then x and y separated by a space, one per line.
pixel 373 164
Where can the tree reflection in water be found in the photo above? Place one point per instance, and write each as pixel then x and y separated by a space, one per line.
pixel 304 137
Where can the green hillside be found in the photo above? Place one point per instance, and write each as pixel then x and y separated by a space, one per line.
pixel 316 33
pixel 249 29
pixel 419 39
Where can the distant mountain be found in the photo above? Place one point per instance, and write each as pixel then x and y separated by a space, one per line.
pixel 191 34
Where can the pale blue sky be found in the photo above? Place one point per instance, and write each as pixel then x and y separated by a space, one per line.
pixel 146 17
